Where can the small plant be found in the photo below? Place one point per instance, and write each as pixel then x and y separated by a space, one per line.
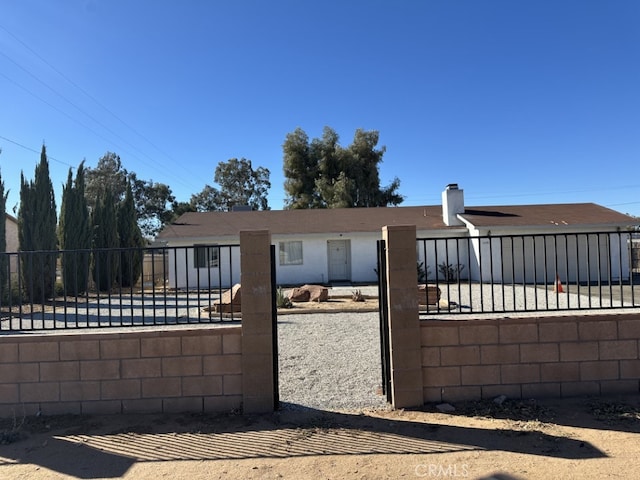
pixel 356 296
pixel 14 433
pixel 12 295
pixel 282 301
pixel 450 272
pixel 59 289
pixel 422 273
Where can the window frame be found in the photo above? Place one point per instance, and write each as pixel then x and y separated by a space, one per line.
pixel 206 256
pixel 283 253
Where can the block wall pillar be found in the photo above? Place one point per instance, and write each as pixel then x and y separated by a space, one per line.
pixel 257 330
pixel 404 322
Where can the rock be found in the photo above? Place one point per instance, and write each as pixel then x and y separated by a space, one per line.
pixel 445 408
pixel 428 294
pixel 299 294
pixel 499 400
pixel 230 301
pixel 318 293
pixel 309 293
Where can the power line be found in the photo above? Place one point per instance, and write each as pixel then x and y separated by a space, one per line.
pixel 87 94
pixel 97 102
pixel 70 103
pixel 49 157
pixel 22 87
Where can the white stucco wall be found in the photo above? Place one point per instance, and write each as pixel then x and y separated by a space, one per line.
pixel 313 270
pixel 315 266
pixel 577 257
pixel 585 258
pixel 183 273
pixel 494 258
pixel 436 254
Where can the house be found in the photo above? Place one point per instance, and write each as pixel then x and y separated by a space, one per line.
pixel 327 246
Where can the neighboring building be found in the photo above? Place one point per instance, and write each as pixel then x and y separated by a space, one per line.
pixel 339 245
pixel 11 225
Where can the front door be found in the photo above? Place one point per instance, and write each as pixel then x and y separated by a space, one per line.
pixel 339 260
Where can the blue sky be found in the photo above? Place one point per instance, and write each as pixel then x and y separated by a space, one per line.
pixel 516 101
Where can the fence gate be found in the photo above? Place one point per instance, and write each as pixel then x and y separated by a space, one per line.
pixel 385 350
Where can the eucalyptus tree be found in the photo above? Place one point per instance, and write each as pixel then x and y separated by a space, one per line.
pixel 322 174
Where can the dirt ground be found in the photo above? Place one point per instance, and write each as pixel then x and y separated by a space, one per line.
pixel 587 438
pixel 332 305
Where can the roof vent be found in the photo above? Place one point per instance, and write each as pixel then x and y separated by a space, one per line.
pixel 241 208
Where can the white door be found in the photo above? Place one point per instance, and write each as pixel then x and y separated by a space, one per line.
pixel 339 260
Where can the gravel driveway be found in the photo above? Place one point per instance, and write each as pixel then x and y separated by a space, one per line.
pixel 330 361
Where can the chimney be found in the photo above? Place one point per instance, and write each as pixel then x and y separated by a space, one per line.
pixel 452 204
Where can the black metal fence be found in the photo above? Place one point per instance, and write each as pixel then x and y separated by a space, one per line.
pixel 79 289
pixel 520 273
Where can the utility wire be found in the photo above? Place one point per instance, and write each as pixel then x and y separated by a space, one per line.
pixel 49 157
pixel 62 112
pixel 115 134
pixel 97 102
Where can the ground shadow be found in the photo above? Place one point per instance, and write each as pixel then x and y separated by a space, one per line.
pixel 77 460
pixel 619 413
pixel 106 447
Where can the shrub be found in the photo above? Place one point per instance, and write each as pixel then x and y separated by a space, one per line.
pixel 58 289
pixel 13 295
pixel 422 273
pixel 282 301
pixel 449 272
pixel 357 296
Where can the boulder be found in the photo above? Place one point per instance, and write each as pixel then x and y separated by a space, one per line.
pixel 318 293
pixel 299 294
pixel 309 293
pixel 428 294
pixel 230 301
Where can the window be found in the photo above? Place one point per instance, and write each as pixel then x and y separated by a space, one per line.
pixel 291 253
pixel 206 257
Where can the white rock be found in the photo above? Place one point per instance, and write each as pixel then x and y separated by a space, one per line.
pixel 499 400
pixel 446 408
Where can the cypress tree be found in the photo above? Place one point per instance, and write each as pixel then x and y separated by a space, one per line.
pixel 74 234
pixel 37 221
pixel 130 266
pixel 105 241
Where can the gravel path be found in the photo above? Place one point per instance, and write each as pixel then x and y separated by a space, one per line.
pixel 330 361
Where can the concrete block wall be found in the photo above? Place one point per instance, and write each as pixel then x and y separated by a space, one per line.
pixel 201 368
pixel 195 370
pixel 258 382
pixel 530 357
pixel 404 323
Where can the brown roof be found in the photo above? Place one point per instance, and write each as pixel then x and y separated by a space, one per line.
pixel 567 214
pixel 340 220
pixel 203 224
